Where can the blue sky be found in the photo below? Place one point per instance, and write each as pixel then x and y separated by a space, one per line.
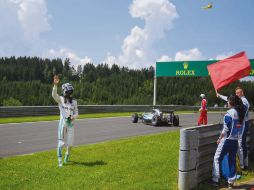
pixel 133 33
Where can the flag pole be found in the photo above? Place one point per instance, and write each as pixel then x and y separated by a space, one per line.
pixel 154 86
pixel 154 90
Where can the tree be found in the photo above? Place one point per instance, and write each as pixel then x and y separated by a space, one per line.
pixel 12 102
pixel 28 80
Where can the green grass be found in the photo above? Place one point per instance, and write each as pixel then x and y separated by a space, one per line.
pixel 144 162
pixel 139 163
pixel 56 117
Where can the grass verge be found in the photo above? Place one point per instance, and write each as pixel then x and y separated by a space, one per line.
pixel 144 162
pixel 56 117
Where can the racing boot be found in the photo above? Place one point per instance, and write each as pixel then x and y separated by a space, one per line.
pixel 60 163
pixel 66 157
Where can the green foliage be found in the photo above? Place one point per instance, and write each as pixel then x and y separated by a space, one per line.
pixel 11 102
pixel 29 80
pixel 28 93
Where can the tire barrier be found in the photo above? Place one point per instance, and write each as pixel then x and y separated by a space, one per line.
pixel 197 149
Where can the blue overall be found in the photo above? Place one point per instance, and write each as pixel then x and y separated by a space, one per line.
pixel 242 153
pixel 232 131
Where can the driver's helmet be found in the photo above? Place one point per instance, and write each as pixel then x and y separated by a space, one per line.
pixel 67 88
pixel 202 95
pixel 157 112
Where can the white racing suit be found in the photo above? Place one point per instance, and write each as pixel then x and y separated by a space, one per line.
pixel 232 131
pixel 65 128
pixel 242 151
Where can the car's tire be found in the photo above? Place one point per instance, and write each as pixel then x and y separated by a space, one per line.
pixel 169 119
pixel 155 120
pixel 176 120
pixel 134 118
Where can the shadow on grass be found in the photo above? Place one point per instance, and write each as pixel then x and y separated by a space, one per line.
pixel 205 185
pixel 223 185
pixel 89 164
pixel 244 187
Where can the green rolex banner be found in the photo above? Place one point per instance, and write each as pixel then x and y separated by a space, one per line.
pixel 187 68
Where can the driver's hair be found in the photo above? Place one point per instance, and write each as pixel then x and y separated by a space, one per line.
pixel 238 88
pixel 237 103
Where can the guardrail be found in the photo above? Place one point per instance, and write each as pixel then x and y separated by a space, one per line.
pixel 20 111
pixel 197 149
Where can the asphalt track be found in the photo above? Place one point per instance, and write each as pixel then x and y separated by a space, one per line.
pixel 27 138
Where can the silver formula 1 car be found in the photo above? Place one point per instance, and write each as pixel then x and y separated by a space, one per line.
pixel 157 118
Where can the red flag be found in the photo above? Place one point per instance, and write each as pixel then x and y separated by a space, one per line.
pixel 229 70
